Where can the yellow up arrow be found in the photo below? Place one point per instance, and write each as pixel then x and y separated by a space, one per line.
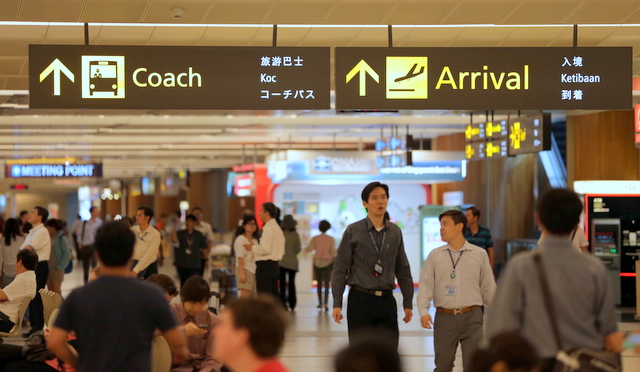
pixel 363 68
pixel 56 66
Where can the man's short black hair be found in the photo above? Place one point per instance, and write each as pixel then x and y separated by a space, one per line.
pixel 114 244
pixel 475 211
pixel 191 217
pixel 195 289
pixel 559 211
pixel 22 213
pixel 370 352
pixel 28 257
pixel 147 212
pixel 324 226
pixel 265 319
pixel 372 186
pixel 56 224
pixel 92 209
pixel 196 209
pixel 457 217
pixel 271 209
pixel 42 212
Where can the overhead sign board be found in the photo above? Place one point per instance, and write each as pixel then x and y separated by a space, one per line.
pixel 29 170
pixel 484 78
pixel 163 77
pixel 518 135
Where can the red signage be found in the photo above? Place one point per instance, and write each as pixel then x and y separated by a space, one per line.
pixel 636 120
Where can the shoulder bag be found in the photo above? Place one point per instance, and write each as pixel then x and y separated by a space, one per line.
pixel 35 348
pixel 579 359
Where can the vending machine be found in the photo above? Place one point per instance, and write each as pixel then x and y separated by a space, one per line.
pixel 606 245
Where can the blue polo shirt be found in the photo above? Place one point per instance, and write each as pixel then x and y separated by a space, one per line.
pixel 482 238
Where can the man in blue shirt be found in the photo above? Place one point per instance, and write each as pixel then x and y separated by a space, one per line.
pixel 479 235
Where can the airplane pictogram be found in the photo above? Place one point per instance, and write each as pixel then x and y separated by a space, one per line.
pixel 471 131
pixel 517 135
pixel 492 149
pixel 469 151
pixel 491 129
pixel 411 73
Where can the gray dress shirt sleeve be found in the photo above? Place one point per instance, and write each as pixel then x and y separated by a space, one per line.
pixel 341 268
pixel 403 274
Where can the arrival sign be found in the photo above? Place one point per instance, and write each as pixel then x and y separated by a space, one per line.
pixel 484 78
pixel 159 77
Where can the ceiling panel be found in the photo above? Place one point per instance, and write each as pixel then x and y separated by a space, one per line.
pixel 603 11
pixel 18 82
pixel 44 10
pixel 541 12
pixel 10 65
pixel 160 11
pixel 239 11
pixel 481 36
pixel 125 35
pixel 169 36
pixel 358 12
pixel 9 10
pixel 222 36
pixel 593 36
pixel 70 35
pixel 481 11
pixel 114 10
pixel 263 37
pixel 429 37
pixel 532 36
pixel 420 12
pixel 304 12
pixel 634 18
pixel 335 37
pixel 371 37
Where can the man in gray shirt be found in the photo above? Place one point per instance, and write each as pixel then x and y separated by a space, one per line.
pixel 87 240
pixel 581 292
pixel 371 256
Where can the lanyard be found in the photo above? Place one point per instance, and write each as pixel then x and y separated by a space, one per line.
pixel 453 273
pixel 384 237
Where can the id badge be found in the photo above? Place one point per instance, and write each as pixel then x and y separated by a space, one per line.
pixel 449 291
pixel 377 268
pixel 188 251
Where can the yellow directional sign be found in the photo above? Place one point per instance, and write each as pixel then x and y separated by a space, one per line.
pixel 56 67
pixel 491 129
pixel 517 135
pixel 492 149
pixel 471 131
pixel 362 68
pixel 469 151
pixel 407 78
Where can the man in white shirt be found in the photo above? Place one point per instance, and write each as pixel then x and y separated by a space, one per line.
pixel 38 240
pixel 268 252
pixel 148 241
pixel 87 240
pixel 22 288
pixel 459 280
pixel 579 240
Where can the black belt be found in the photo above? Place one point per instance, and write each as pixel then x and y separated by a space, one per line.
pixel 374 292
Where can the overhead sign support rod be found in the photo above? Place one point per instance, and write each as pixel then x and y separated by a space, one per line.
pixel 274 42
pixel 86 33
pixel 575 36
pixel 390 33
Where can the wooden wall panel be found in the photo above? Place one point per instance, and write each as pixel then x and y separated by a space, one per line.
pixel 601 147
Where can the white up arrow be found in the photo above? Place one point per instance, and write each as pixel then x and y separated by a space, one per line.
pixel 56 66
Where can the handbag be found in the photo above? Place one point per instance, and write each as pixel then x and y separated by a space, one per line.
pixel 35 348
pixel 579 359
pixel 69 267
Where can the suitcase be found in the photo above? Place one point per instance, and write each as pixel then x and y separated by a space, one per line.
pixel 214 302
pixel 227 288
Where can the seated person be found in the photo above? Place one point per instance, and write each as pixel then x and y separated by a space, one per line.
pixel 198 324
pixel 13 360
pixel 23 288
pixel 505 352
pixel 250 334
pixel 165 283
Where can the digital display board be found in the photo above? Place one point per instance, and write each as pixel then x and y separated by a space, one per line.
pixel 562 78
pixel 53 170
pixel 163 77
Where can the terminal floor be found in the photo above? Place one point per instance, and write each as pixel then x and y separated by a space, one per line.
pixel 314 338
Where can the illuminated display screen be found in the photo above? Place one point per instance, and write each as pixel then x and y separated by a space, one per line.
pixel 484 78
pixel 161 77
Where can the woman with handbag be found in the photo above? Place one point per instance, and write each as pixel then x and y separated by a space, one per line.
pixel 12 239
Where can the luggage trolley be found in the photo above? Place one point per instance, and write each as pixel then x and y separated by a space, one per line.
pixel 223 279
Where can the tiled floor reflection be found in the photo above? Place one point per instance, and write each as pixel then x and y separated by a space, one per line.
pixel 313 337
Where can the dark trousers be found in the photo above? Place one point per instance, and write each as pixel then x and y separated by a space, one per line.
pixel 36 309
pixel 186 272
pixel 323 276
pixel 6 325
pixel 267 276
pixel 288 297
pixel 88 260
pixel 368 312
pixel 449 330
pixel 203 265
pixel 141 273
pixel 151 269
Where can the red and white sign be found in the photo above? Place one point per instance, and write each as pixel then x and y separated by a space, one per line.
pixel 243 185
